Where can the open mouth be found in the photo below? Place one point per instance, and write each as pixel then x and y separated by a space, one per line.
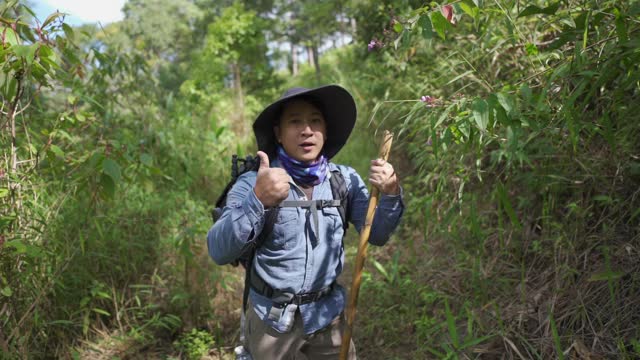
pixel 307 146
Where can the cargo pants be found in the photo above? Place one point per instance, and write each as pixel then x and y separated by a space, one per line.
pixel 265 343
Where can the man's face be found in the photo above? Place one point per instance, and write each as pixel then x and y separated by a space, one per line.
pixel 302 130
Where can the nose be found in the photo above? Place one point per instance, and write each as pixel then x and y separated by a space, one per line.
pixel 306 128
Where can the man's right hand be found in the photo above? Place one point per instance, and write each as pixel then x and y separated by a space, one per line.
pixel 272 185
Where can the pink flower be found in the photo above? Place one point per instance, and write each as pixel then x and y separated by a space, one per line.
pixel 430 101
pixel 447 12
pixel 374 44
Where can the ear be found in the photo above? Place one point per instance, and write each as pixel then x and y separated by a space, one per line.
pixel 276 132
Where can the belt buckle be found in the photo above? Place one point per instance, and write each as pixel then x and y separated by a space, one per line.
pixel 301 298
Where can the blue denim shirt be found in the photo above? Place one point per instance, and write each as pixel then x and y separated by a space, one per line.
pixel 299 258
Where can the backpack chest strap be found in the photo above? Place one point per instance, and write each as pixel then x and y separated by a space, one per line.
pixel 312 205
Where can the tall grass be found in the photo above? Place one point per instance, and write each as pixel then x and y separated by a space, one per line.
pixel 522 188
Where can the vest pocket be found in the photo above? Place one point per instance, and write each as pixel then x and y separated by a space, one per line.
pixel 285 230
pixel 333 226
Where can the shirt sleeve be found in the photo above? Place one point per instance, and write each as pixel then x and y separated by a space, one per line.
pixel 242 218
pixel 388 213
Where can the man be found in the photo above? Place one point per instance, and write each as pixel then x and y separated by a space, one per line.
pixel 295 307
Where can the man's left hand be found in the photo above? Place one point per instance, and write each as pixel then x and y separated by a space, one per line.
pixel 383 176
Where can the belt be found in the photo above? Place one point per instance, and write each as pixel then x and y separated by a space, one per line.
pixel 281 297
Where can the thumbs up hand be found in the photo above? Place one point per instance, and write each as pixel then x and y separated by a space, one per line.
pixel 272 185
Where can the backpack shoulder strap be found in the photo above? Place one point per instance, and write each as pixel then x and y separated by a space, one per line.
pixel 340 192
pixel 250 252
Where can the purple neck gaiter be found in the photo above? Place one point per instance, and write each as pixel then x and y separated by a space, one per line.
pixel 312 173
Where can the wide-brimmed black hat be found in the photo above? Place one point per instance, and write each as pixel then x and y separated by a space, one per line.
pixel 336 104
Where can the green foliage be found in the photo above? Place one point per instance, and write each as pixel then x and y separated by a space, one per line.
pixel 194 344
pixel 516 142
pixel 515 158
pixel 95 180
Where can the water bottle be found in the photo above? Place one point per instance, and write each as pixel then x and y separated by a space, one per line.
pixel 242 353
pixel 288 317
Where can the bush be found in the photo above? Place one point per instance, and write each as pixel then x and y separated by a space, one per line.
pixel 194 344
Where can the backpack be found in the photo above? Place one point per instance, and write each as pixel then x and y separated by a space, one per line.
pixel 240 166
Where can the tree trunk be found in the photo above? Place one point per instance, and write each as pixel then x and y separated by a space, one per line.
pixel 310 58
pixel 239 100
pixel 354 28
pixel 294 60
pixel 316 60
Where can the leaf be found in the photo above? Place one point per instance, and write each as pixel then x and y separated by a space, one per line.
pixel 219 131
pixel 603 198
pixel 507 102
pixel 26 32
pixel 531 49
pixel 481 113
pixel 25 51
pixel 381 269
pixel 45 51
pixel 477 341
pixel 451 325
pixel 397 27
pixel 533 10
pixel 11 88
pixel 57 151
pixel 7 292
pixel 6 220
pixel 111 168
pixel 4 192
pixel 108 186
pixel 440 23
pixel 506 204
pixel 469 8
pixel 100 311
pixel 460 76
pixel 85 323
pixel 8 6
pixel 527 95
pixel 146 159
pixel 396 42
pixel 426 27
pixel 28 9
pixel 82 243
pixel 606 276
pixel 443 116
pixel 10 37
pixel 621 26
pixel 61 322
pixel 51 18
pixel 17 245
pixel 556 338
pixel 68 31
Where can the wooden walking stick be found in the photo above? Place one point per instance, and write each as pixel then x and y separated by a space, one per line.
pixel 385 148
